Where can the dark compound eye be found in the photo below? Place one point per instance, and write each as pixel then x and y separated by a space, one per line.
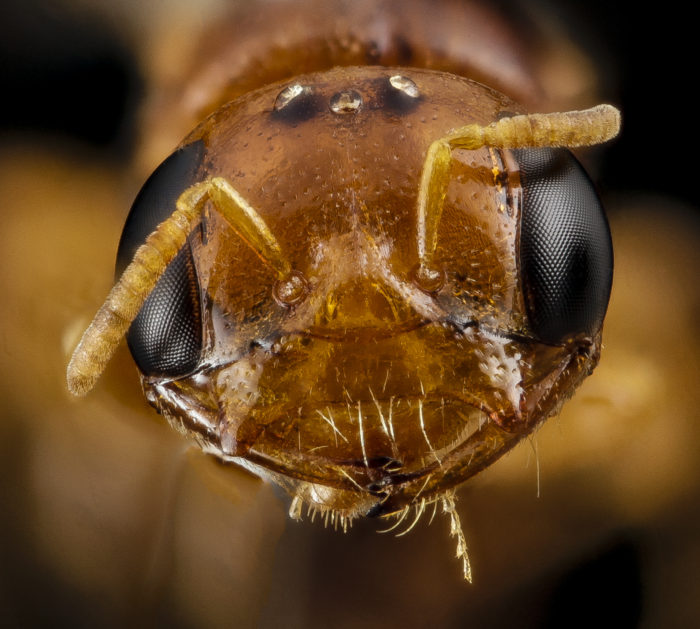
pixel 165 339
pixel 566 258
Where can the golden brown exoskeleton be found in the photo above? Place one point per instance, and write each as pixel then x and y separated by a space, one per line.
pixel 365 283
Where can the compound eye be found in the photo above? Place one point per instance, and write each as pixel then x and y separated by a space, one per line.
pixel 165 339
pixel 566 257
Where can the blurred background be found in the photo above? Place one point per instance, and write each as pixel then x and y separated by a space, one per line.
pixel 108 519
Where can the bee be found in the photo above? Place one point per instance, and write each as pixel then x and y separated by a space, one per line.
pixel 364 283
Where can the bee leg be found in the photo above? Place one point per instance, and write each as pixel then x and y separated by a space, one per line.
pixel 559 129
pixel 450 509
pixel 570 129
pixel 431 198
pixel 124 301
pixel 249 225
